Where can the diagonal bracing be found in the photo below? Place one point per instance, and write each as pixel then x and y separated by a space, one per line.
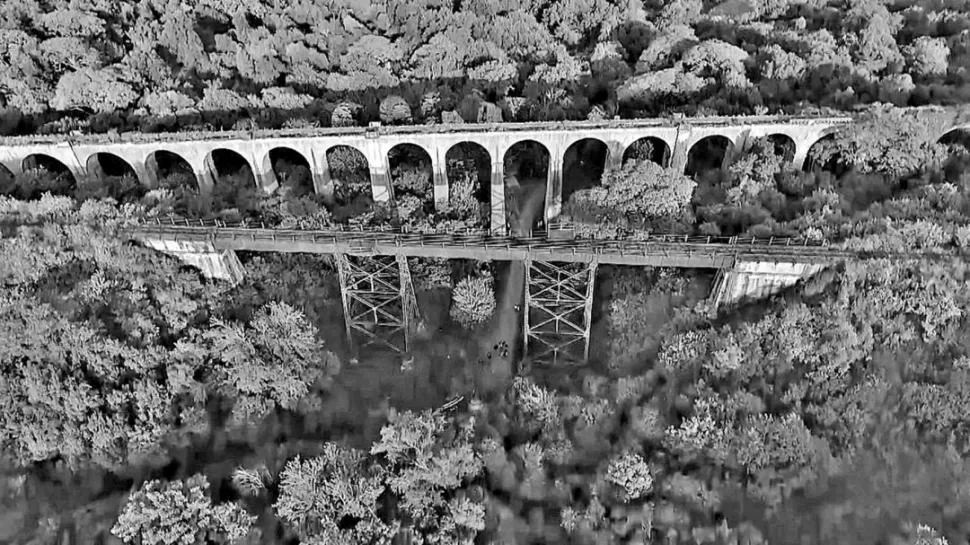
pixel 378 299
pixel 558 308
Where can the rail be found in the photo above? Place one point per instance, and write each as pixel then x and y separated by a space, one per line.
pixel 469 235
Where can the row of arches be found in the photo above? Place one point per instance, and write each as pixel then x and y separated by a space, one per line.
pixel 588 152
pixel 583 162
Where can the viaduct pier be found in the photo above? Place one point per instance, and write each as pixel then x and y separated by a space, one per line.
pixel 672 138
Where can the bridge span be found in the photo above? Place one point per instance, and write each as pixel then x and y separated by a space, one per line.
pixel 672 138
pixel 378 298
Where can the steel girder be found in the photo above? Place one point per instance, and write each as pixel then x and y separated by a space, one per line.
pixel 378 299
pixel 558 311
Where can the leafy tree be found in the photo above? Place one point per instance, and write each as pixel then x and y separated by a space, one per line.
pixel 777 63
pixel 875 48
pixel 318 496
pixel 928 56
pixel 217 100
pixel 93 387
pixel 284 98
pixel 166 103
pixel 640 195
pixel 395 110
pixel 889 140
pixel 473 301
pixel 72 22
pixel 429 274
pixel 270 362
pixel 181 512
pixel 631 473
pixel 520 35
pixel 669 45
pixel 367 63
pixel 415 180
pixel 344 114
pixel 578 21
pixel 679 12
pixel 754 172
pixel 715 58
pixel 428 465
pixel 99 90
pixel 69 53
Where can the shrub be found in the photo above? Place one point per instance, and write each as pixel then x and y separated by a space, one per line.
pixel 473 301
pixel 180 512
pixel 631 473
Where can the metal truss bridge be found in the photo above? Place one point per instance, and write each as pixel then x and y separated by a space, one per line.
pixel 378 297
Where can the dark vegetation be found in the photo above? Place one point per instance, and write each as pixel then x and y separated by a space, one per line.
pixel 142 403
pixel 186 65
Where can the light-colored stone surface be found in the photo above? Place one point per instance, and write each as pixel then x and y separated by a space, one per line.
pixel 679 135
pixel 758 279
pixel 212 262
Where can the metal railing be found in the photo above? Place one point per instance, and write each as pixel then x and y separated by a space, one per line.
pixel 482 236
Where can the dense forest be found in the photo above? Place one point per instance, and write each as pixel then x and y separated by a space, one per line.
pixel 142 403
pixel 98 65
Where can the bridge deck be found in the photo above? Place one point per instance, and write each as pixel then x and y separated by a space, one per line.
pixel 656 251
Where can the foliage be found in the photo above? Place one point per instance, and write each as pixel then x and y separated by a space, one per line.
pixel 317 495
pixel 639 196
pixel 172 63
pixel 430 460
pixel 631 473
pixel 270 362
pixel 394 110
pixel 473 301
pixel 429 274
pixel 891 141
pixel 180 513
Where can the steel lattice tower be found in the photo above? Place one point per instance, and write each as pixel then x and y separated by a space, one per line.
pixel 558 311
pixel 378 299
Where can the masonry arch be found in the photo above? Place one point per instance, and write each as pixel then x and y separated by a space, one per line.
pixel 784 146
pixel 111 176
pixel 470 160
pixel 235 188
pixel 8 182
pixel 43 173
pixel 957 142
pixel 350 175
pixel 956 137
pixel 583 164
pixel 708 154
pixel 526 165
pixel 821 156
pixel 171 170
pixel 648 148
pixel 229 167
pixel 103 165
pixel 292 170
pixel 411 172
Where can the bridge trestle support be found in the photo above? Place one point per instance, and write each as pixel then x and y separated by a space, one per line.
pixel 558 312
pixel 380 308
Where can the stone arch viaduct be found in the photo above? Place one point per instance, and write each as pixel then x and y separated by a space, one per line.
pixel 677 136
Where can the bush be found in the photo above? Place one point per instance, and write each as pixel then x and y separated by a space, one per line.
pixel 395 110
pixel 473 301
pixel 180 512
pixel 631 473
